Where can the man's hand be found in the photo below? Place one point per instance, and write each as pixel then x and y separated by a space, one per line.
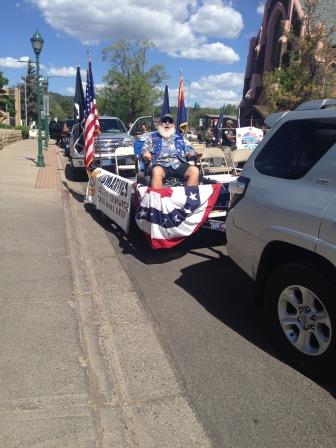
pixel 146 155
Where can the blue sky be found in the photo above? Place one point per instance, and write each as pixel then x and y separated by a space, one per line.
pixel 207 39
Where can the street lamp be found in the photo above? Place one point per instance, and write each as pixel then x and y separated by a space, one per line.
pixel 37 44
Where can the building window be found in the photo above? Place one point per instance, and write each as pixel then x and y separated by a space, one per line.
pixel 276 44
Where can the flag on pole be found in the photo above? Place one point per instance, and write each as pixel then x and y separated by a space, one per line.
pixel 165 109
pixel 182 120
pixel 78 134
pixel 92 127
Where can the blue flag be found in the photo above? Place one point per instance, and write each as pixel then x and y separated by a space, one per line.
pixel 165 109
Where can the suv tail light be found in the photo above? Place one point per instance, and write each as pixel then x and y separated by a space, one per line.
pixel 237 190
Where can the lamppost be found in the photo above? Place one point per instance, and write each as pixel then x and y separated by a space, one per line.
pixel 37 44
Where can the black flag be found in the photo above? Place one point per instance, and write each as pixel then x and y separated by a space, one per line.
pixel 79 113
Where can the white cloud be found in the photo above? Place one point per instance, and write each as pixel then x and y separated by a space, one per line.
pixel 9 62
pixel 217 52
pixel 261 8
pixel 216 90
pixel 217 20
pixel 212 90
pixel 66 72
pixel 178 28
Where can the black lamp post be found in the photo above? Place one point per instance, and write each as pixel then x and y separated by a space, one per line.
pixel 37 43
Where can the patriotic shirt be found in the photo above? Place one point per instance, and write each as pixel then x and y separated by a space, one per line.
pixel 169 155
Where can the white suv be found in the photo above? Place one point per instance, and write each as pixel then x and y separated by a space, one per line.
pixel 281 230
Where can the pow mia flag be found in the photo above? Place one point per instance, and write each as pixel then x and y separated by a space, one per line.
pixel 78 134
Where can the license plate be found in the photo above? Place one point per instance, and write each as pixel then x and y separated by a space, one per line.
pixel 218 226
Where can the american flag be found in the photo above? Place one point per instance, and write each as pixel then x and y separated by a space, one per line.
pixel 169 215
pixel 92 127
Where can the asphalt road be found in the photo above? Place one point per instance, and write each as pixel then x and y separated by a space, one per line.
pixel 207 320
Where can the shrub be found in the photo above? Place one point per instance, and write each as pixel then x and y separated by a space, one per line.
pixel 24 130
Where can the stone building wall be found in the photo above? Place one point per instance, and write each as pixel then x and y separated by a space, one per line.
pixel 8 136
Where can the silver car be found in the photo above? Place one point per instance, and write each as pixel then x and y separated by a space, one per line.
pixel 281 230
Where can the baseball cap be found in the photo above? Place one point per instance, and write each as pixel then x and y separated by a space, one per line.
pixel 167 117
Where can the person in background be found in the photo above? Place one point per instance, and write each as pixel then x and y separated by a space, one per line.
pixel 168 153
pixel 229 135
pixel 143 128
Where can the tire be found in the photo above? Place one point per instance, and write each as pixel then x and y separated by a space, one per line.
pixel 300 303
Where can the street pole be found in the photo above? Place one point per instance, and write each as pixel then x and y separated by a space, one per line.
pixel 25 99
pixel 46 119
pixel 188 98
pixel 37 43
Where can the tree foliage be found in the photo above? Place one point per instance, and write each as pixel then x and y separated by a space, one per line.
pixel 302 75
pixel 28 92
pixel 61 106
pixel 132 87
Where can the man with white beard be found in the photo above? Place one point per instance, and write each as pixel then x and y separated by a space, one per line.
pixel 168 153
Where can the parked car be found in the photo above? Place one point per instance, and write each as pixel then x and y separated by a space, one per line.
pixel 281 232
pixel 113 135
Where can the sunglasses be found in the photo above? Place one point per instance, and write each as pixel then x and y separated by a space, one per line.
pixel 167 121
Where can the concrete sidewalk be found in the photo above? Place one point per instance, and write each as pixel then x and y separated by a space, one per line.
pixel 81 364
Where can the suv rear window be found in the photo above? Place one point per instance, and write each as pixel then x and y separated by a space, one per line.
pixel 296 147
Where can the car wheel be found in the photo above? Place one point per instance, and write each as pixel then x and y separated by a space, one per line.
pixel 301 311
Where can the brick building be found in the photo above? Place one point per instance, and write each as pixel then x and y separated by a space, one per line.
pixel 267 49
pixel 5 118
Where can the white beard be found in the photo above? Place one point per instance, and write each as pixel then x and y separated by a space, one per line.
pixel 166 133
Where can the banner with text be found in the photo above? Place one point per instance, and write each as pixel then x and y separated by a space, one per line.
pixel 248 137
pixel 112 195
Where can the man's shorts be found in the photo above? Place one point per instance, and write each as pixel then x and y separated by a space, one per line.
pixel 179 172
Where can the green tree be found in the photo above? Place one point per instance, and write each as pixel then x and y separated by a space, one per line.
pixel 132 87
pixel 230 109
pixel 61 106
pixel 29 82
pixel 303 73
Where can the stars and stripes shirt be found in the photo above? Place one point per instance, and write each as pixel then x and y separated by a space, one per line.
pixel 168 155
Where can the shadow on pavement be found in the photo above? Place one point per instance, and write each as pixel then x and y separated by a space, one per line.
pixel 135 243
pixel 75 175
pixel 78 195
pixel 232 302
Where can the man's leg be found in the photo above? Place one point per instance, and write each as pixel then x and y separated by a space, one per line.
pixel 191 176
pixel 158 175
